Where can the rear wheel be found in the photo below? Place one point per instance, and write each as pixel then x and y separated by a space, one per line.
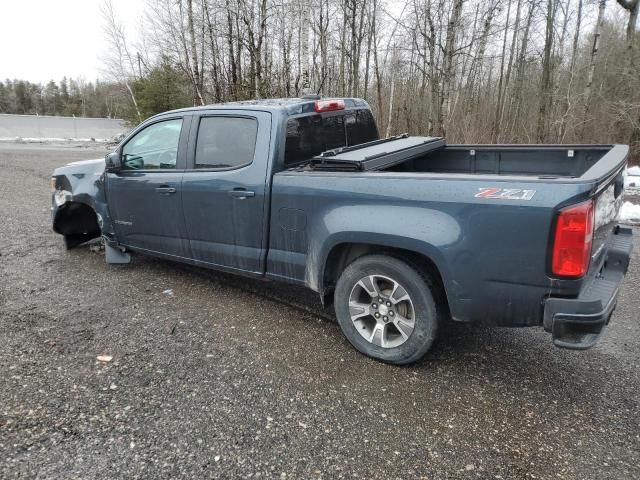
pixel 386 309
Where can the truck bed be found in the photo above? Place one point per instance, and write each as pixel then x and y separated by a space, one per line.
pixel 431 155
pixel 496 245
pixel 570 161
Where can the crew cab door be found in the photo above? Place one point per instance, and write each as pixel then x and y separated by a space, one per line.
pixel 144 196
pixel 224 188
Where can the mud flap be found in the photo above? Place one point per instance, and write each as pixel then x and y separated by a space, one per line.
pixel 115 255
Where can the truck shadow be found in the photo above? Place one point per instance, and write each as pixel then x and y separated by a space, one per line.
pixel 471 356
pixel 454 338
pixel 513 357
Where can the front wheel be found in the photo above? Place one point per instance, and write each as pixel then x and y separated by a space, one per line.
pixel 386 309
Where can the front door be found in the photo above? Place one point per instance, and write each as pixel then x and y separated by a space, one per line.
pixel 144 197
pixel 224 188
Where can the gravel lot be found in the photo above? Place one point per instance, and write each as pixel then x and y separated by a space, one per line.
pixel 228 378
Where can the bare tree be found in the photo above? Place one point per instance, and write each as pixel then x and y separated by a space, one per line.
pixel 547 67
pixel 449 67
pixel 602 4
pixel 473 70
pixel 195 67
pixel 119 62
pixel 566 102
pixel 632 6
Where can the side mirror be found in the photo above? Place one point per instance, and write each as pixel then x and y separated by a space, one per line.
pixel 113 161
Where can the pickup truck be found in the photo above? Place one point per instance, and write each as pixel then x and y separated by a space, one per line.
pixel 401 234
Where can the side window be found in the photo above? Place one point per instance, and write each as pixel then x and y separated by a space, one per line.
pixel 226 142
pixel 154 147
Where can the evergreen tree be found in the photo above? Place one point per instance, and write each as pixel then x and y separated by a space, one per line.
pixel 64 91
pixel 69 97
pixel 23 97
pixel 52 100
pixel 4 98
pixel 165 88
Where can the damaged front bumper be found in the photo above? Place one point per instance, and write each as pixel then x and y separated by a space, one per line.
pixel 577 323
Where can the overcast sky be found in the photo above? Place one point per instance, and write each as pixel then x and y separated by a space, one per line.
pixel 42 40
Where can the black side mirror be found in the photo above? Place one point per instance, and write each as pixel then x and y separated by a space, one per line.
pixel 113 161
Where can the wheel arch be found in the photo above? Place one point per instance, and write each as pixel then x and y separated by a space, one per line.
pixel 342 254
pixel 77 218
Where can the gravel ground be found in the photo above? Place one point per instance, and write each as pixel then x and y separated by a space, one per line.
pixel 223 377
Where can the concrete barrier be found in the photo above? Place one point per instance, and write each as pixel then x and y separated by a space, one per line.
pixel 35 127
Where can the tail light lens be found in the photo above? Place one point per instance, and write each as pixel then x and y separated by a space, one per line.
pixel 572 242
pixel 329 105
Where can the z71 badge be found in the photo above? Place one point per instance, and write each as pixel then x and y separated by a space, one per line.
pixel 505 193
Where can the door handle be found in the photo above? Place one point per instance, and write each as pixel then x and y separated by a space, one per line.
pixel 166 189
pixel 241 193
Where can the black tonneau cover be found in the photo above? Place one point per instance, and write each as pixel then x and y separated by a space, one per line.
pixel 377 154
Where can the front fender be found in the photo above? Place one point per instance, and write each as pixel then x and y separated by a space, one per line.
pixel 82 183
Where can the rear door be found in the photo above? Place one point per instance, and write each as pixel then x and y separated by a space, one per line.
pixel 145 197
pixel 224 188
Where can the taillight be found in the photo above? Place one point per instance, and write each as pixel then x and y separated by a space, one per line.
pixel 572 242
pixel 329 105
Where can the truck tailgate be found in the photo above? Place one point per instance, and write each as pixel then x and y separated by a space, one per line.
pixel 576 322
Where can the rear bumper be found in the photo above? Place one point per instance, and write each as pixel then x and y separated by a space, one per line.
pixel 577 323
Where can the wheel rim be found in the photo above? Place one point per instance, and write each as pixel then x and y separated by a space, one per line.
pixel 382 311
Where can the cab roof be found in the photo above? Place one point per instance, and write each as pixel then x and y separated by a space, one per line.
pixel 290 106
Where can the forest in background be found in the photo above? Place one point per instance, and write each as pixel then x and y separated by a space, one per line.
pixel 67 97
pixel 477 71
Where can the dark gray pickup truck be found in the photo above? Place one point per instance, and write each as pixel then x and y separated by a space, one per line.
pixel 400 233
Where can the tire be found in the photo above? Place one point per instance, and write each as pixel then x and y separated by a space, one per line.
pixel 402 328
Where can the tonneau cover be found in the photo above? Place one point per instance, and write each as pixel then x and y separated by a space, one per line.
pixel 377 154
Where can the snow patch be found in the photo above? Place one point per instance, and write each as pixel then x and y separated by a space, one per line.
pixel 632 181
pixel 629 213
pixel 52 140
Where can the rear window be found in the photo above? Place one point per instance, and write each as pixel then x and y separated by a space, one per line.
pixel 311 135
pixel 226 142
